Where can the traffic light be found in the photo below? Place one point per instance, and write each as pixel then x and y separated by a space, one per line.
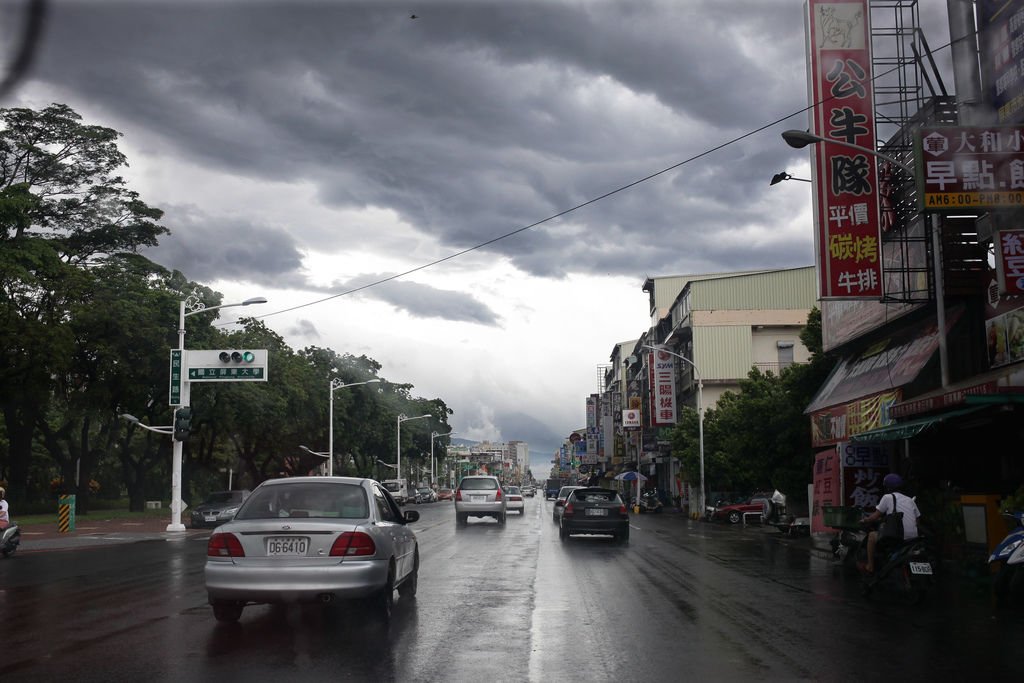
pixel 237 356
pixel 182 423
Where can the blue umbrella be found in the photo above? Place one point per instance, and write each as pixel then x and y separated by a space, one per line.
pixel 630 476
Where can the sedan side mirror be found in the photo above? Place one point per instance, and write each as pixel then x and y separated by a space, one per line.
pixel 410 516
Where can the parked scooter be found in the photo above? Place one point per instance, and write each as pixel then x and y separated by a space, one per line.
pixel 1008 584
pixel 649 502
pixel 10 539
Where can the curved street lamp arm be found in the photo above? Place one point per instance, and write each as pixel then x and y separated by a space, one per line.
pixel 798 139
pixel 134 420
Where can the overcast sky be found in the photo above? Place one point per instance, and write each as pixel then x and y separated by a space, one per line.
pixel 301 150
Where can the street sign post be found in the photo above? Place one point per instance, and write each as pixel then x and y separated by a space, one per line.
pixel 176 370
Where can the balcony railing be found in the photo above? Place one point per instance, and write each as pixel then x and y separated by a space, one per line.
pixel 774 368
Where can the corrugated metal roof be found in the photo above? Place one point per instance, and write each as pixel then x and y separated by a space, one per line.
pixel 795 288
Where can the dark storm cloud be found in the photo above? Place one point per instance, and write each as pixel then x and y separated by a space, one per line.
pixel 476 119
pixel 422 301
pixel 205 248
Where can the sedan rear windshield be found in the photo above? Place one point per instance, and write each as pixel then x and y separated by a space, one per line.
pixel 310 500
pixel 596 496
pixel 479 484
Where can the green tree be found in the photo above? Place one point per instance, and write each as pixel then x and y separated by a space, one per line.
pixel 759 437
pixel 63 215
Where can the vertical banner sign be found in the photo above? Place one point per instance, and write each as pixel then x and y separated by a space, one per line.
pixel 1001 42
pixel 826 487
pixel 846 196
pixel 176 370
pixel 1010 261
pixel 663 388
pixel 592 407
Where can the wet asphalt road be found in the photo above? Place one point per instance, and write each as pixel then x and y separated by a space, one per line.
pixel 684 600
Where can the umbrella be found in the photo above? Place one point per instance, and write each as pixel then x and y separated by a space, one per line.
pixel 630 476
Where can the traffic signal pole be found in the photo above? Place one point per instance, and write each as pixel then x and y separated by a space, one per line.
pixel 176 447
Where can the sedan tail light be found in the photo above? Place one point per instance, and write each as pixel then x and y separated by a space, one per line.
pixel 497 495
pixel 623 511
pixel 224 545
pixel 353 544
pixel 568 511
pixel 458 495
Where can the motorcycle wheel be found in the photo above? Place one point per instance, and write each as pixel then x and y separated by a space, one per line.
pixel 10 551
pixel 912 589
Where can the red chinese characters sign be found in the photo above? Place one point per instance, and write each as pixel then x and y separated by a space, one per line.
pixel 662 378
pixel 826 487
pixel 1010 261
pixel 846 195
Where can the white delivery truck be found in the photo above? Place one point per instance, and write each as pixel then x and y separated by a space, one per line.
pixel 399 490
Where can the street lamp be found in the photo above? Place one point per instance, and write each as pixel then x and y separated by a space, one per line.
pixel 433 436
pixel 799 139
pixel 401 419
pixel 191 305
pixel 335 384
pixel 135 421
pixel 783 175
pixel 700 417
pixel 319 454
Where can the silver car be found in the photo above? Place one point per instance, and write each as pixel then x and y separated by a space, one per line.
pixel 313 539
pixel 479 496
pixel 563 493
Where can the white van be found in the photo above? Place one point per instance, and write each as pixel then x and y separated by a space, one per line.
pixel 399 490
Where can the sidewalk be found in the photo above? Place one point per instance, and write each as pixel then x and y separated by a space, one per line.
pixel 94 531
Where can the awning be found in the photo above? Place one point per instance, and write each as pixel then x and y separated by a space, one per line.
pixel 893 361
pixel 908 430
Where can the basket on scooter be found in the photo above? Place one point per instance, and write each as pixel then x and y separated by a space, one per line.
pixel 842 517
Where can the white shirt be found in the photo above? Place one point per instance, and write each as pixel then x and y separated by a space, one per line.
pixel 3 511
pixel 907 506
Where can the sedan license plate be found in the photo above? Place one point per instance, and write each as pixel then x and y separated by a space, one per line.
pixel 920 568
pixel 478 499
pixel 596 512
pixel 209 518
pixel 287 545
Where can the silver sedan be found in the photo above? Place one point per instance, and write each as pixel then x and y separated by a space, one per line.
pixel 308 539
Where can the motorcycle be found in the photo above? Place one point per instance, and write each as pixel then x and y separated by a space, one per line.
pixel 10 539
pixel 908 571
pixel 649 502
pixel 1008 583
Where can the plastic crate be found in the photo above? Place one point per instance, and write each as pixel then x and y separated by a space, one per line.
pixel 841 517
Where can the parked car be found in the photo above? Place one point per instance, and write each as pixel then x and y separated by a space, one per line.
pixel 445 494
pixel 479 496
pixel 313 539
pixel 733 513
pixel 219 507
pixel 593 510
pixel 514 500
pixel 563 493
